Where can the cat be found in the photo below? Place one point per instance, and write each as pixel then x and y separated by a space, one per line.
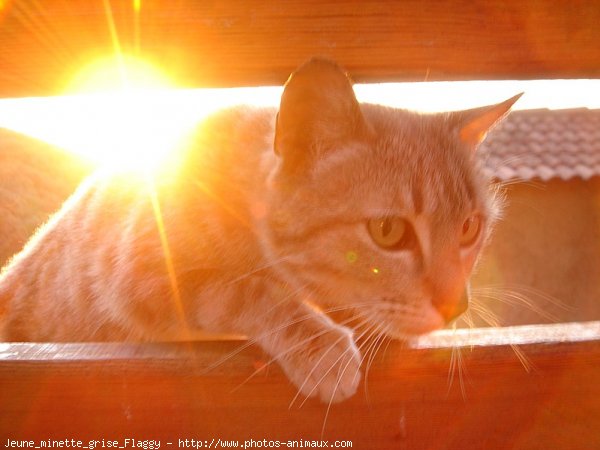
pixel 35 179
pixel 268 222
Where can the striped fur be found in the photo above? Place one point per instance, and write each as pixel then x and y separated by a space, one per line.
pixel 249 237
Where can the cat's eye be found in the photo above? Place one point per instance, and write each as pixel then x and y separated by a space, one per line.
pixel 470 230
pixel 390 232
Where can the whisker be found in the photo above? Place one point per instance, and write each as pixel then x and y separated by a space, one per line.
pixel 457 363
pixel 366 346
pixel 524 360
pixel 338 383
pixel 255 340
pixel 468 318
pixel 339 378
pixel 388 341
pixel 358 320
pixel 287 351
pixel 490 319
pixel 277 329
pixel 520 181
pixel 371 329
pixel 462 373
pixel 368 329
pixel 517 288
pixel 279 356
pixel 315 368
pixel 509 160
pixel 378 342
pixel 515 300
pixel 451 369
pixel 487 316
pixel 514 297
pixel 283 301
pixel 259 269
pixel 373 348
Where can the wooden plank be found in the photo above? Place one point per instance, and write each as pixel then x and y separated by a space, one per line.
pixel 175 391
pixel 253 42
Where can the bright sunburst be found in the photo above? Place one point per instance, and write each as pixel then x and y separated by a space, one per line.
pixel 118 73
pixel 121 113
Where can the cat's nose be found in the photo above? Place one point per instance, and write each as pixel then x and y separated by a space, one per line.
pixel 451 310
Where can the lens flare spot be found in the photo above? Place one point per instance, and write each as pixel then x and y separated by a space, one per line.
pixel 351 256
pixel 375 270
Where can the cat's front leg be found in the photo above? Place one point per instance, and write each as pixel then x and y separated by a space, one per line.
pixel 318 355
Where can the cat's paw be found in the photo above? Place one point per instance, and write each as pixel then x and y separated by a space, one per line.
pixel 327 366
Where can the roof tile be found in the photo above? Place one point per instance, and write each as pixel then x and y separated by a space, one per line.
pixel 545 144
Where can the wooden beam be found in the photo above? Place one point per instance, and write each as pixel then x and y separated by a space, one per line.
pixel 252 42
pixel 411 398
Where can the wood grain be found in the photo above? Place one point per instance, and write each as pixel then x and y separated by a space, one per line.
pixel 179 391
pixel 252 42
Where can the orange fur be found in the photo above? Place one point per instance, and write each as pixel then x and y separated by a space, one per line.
pixel 263 219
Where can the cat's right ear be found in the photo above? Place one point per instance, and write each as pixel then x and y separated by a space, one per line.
pixel 476 123
pixel 318 112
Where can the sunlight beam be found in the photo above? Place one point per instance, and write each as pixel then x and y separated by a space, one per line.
pixel 122 114
pixel 137 126
pixel 114 37
pixel 170 267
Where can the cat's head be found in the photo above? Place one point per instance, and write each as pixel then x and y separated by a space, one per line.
pixel 377 209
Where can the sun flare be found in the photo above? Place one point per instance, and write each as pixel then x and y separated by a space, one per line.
pixel 117 114
pixel 118 73
pixel 124 113
pixel 120 113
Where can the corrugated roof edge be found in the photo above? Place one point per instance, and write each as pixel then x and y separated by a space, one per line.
pixel 544 144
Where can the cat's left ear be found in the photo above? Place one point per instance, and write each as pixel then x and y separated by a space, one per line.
pixel 318 112
pixel 474 124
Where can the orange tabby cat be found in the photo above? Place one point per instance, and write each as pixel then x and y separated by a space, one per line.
pixel 35 179
pixel 270 221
